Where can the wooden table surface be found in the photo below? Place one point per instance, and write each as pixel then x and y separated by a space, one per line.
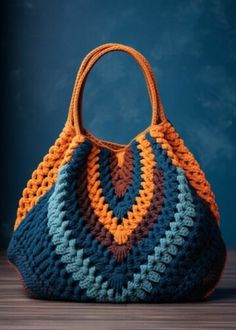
pixel 17 311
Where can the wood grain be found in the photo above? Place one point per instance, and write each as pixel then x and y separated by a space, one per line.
pixel 19 312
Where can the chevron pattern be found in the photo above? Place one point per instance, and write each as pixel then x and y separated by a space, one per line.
pixel 134 229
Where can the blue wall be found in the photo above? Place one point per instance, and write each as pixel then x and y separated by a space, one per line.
pixel 191 46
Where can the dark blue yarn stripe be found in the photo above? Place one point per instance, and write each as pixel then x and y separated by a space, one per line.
pixel 203 252
pixel 33 253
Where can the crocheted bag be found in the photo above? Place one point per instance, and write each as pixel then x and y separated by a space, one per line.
pixel 105 222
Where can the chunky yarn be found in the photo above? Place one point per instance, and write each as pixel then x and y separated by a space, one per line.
pixel 110 233
pixel 102 222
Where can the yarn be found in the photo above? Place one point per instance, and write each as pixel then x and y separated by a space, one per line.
pixel 171 248
pixel 102 222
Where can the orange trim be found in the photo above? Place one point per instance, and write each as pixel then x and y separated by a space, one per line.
pixel 45 175
pixel 170 140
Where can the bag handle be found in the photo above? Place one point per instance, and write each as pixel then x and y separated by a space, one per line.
pixel 96 51
pixel 86 66
pixel 83 65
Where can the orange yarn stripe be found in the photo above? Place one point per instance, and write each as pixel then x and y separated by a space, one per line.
pixel 45 175
pixel 122 231
pixel 170 140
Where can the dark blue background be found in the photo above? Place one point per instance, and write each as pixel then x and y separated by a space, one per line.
pixel 191 46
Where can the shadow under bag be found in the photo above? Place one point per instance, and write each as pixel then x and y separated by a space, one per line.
pixel 105 222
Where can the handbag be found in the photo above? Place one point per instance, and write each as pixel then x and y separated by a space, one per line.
pixel 104 222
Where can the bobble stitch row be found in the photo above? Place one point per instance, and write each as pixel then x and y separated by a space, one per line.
pixel 170 140
pixel 45 175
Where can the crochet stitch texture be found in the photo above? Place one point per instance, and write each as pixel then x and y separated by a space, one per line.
pixel 109 223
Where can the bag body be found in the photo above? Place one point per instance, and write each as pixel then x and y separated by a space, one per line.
pixel 104 222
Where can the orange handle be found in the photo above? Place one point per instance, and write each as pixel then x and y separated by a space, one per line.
pixel 87 64
pixel 96 51
pixel 83 65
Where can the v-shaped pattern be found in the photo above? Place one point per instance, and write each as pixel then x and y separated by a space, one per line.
pixel 79 249
pixel 103 234
pixel 121 232
pixel 97 169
